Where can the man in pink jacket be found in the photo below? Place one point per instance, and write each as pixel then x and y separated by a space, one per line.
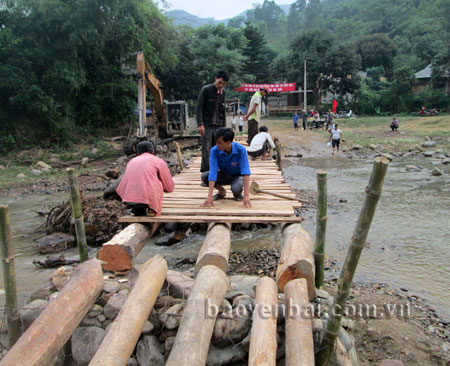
pixel 146 179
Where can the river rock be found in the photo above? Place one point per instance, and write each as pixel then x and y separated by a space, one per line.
pixel 90 322
pixel 166 302
pixel 171 238
pixel 230 331
pixel 111 286
pixel 373 146
pixel 94 151
pixel 356 148
pixel 223 356
pixel 412 168
pixel 242 285
pixel 110 192
pixel 168 344
pixel 95 311
pixel 243 300
pixel 112 173
pixel 36 172
pixel 21 176
pixel 418 148
pixel 30 312
pixel 439 156
pixel 84 161
pixel 101 318
pixel 446 161
pixel 2 167
pixel 436 171
pixel 42 293
pixel 114 305
pixel 428 153
pixel 55 243
pixel 42 165
pixel 85 342
pixel 61 276
pixel 178 284
pixel 428 144
pixel 148 328
pixel 132 362
pixel 149 352
pixel 171 317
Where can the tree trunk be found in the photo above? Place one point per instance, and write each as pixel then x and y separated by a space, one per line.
pixel 321 226
pixel 299 339
pixel 216 247
pixel 297 260
pixel 121 251
pixel 263 340
pixel 199 316
pixel 373 193
pixel 119 342
pixel 53 328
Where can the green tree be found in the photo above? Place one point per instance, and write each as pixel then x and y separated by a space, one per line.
pixel 376 50
pixel 258 57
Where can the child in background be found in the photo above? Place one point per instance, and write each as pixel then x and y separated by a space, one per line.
pixel 233 122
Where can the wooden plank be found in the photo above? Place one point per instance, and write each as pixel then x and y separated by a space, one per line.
pixel 230 219
pixel 224 211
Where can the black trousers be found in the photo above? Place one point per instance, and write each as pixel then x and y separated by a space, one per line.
pixel 235 181
pixel 208 143
pixel 252 130
pixel 137 209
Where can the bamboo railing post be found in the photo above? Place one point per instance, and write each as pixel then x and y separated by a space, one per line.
pixel 9 277
pixel 278 149
pixel 358 241
pixel 77 215
pixel 180 156
pixel 321 226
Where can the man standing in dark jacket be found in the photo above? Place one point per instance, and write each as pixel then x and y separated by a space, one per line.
pixel 211 114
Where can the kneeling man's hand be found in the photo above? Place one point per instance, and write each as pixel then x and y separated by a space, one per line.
pixel 208 202
pixel 246 200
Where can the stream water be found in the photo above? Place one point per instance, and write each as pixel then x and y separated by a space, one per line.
pixel 408 242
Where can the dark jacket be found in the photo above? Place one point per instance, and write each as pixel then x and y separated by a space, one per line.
pixel 211 107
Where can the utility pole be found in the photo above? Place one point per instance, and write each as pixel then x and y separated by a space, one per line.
pixel 304 88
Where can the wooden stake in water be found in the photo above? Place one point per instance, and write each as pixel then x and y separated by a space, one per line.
pixel 373 193
pixel 77 215
pixel 321 226
pixel 9 277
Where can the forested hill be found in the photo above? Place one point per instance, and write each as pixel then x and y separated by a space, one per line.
pixel 65 65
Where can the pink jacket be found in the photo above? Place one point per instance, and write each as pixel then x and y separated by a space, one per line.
pixel 146 178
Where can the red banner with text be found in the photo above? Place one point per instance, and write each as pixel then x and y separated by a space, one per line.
pixel 281 87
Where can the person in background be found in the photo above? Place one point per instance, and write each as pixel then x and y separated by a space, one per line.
pixel 146 178
pixel 260 144
pixel 304 119
pixel 241 122
pixel 316 119
pixel 330 116
pixel 335 137
pixel 394 124
pixel 254 112
pixel 233 122
pixel 211 114
pixel 228 162
pixel 295 118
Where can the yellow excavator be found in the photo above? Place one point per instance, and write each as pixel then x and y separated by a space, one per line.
pixel 169 121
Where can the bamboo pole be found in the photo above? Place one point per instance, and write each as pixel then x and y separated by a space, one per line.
pixel 9 277
pixel 180 156
pixel 121 339
pixel 358 241
pixel 77 215
pixel 321 226
pixel 278 149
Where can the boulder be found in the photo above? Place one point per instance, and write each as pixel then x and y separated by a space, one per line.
pixel 429 144
pixel 85 342
pixel 42 165
pixel 149 352
pixel 178 284
pixel 42 293
pixel 242 285
pixel 114 305
pixel 55 243
pixel 29 313
pixel 412 168
pixel 61 276
pixel 36 172
pixel 148 328
pixel 94 311
pixel 230 331
pixel 84 161
pixel 90 322
pixel 428 153
pixel 21 176
pixel 223 356
pixel 436 172
pixel 171 238
pixel 171 317
pixel 111 286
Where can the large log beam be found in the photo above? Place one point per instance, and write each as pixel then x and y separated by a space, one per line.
pixel 120 252
pixel 263 339
pixel 216 247
pixel 119 342
pixel 199 316
pixel 297 260
pixel 299 339
pixel 53 328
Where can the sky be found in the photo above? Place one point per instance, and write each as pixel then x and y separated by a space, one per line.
pixel 216 9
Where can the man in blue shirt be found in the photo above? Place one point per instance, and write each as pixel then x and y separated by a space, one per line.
pixel 228 165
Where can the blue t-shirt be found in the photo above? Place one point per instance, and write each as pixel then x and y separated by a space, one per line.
pixel 295 118
pixel 234 164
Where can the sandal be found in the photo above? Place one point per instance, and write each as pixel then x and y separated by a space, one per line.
pixel 218 197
